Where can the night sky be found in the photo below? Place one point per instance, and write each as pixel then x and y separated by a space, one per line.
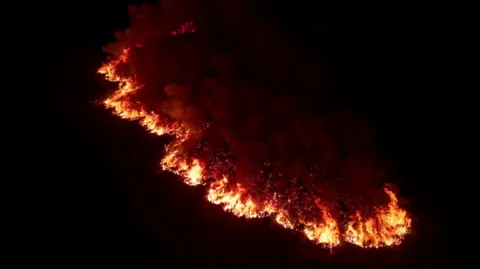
pixel 108 201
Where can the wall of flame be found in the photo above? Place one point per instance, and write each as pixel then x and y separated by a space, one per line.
pixel 386 227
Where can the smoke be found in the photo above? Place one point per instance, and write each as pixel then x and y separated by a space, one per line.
pixel 255 99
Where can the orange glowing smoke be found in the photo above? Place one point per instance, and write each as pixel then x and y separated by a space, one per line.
pixel 387 227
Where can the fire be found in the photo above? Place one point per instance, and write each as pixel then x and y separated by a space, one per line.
pixel 236 199
pixel 387 228
pixel 326 233
pixel 119 100
pixel 191 171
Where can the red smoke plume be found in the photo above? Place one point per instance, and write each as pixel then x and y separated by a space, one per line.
pixel 236 95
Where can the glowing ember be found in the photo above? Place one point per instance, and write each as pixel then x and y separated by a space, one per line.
pixel 187 27
pixel 387 228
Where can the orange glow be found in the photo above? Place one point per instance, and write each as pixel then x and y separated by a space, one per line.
pixel 387 228
pixel 235 199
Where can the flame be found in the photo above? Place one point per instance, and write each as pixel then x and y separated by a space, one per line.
pixel 236 199
pixel 386 229
pixel 119 100
pixel 326 233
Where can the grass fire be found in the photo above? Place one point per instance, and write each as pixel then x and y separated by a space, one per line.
pixel 243 129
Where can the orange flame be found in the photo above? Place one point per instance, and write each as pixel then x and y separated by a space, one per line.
pixel 325 233
pixel 236 200
pixel 386 229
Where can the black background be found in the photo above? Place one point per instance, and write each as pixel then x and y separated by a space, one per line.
pixel 107 201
